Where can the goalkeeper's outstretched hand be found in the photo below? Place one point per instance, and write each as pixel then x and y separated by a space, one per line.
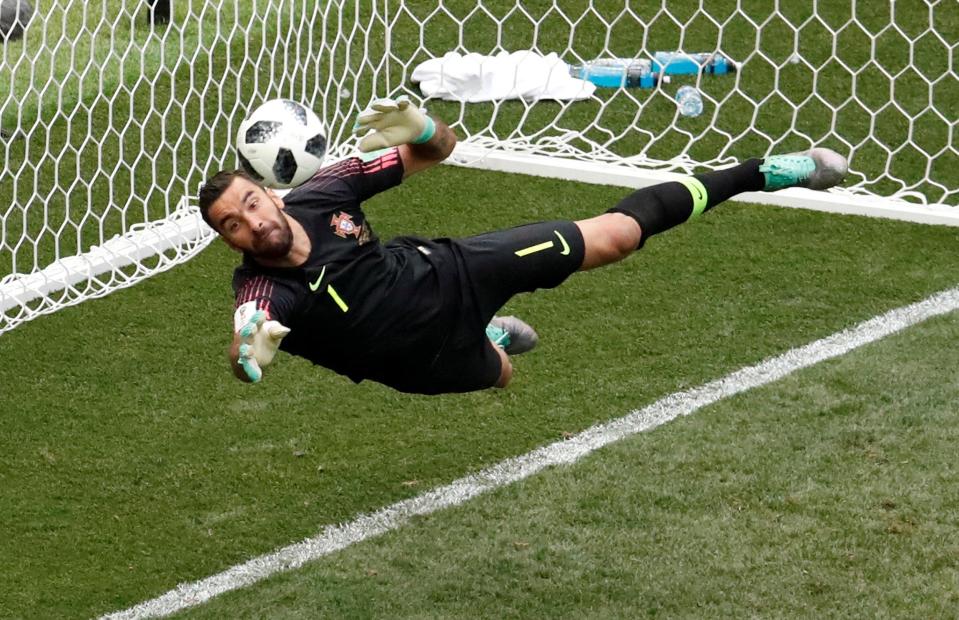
pixel 390 122
pixel 259 341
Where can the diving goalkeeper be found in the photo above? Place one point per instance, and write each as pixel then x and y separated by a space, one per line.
pixel 418 314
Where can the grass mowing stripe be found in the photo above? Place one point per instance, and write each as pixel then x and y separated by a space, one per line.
pixel 334 538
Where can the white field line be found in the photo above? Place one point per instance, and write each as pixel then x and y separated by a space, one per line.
pixel 336 537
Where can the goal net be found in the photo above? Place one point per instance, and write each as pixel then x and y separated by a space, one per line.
pixel 109 123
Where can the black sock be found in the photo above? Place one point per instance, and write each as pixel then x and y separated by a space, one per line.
pixel 660 207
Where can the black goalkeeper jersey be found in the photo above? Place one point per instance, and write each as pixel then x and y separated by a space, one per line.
pixel 358 307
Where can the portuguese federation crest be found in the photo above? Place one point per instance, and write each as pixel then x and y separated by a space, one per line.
pixel 343 225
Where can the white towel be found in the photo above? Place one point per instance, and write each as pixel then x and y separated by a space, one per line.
pixel 507 75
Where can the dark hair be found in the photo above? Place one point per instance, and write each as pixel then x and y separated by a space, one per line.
pixel 214 187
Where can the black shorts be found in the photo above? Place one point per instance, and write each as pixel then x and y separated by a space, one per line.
pixel 492 268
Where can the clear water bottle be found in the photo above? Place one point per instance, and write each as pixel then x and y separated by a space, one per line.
pixel 618 72
pixel 681 63
pixel 689 100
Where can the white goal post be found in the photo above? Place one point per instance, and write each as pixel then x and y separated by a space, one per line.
pixel 110 119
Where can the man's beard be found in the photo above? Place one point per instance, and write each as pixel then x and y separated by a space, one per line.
pixel 273 245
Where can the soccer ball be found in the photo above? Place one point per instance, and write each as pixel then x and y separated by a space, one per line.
pixel 281 143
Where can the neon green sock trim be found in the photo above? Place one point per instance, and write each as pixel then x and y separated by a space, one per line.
pixel 699 194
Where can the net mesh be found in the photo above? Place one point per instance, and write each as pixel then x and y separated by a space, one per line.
pixel 109 123
pixel 874 81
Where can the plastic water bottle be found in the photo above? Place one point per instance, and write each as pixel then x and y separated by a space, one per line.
pixel 681 63
pixel 619 72
pixel 689 100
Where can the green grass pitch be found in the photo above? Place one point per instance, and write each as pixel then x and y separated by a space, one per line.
pixel 131 460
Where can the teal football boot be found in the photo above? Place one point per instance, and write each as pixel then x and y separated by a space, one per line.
pixel 817 168
pixel 511 334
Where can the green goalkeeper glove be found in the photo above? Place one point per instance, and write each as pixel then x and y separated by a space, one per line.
pixel 388 122
pixel 260 340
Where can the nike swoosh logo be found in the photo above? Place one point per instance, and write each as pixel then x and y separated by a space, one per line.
pixel 316 284
pixel 565 250
pixel 698 193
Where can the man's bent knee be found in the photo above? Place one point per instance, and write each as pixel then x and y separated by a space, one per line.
pixel 608 238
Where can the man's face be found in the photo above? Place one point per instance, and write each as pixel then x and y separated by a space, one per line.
pixel 249 220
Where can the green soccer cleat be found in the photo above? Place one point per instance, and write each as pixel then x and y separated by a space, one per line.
pixel 511 334
pixel 817 168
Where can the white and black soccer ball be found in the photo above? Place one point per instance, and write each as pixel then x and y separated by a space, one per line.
pixel 14 17
pixel 281 143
